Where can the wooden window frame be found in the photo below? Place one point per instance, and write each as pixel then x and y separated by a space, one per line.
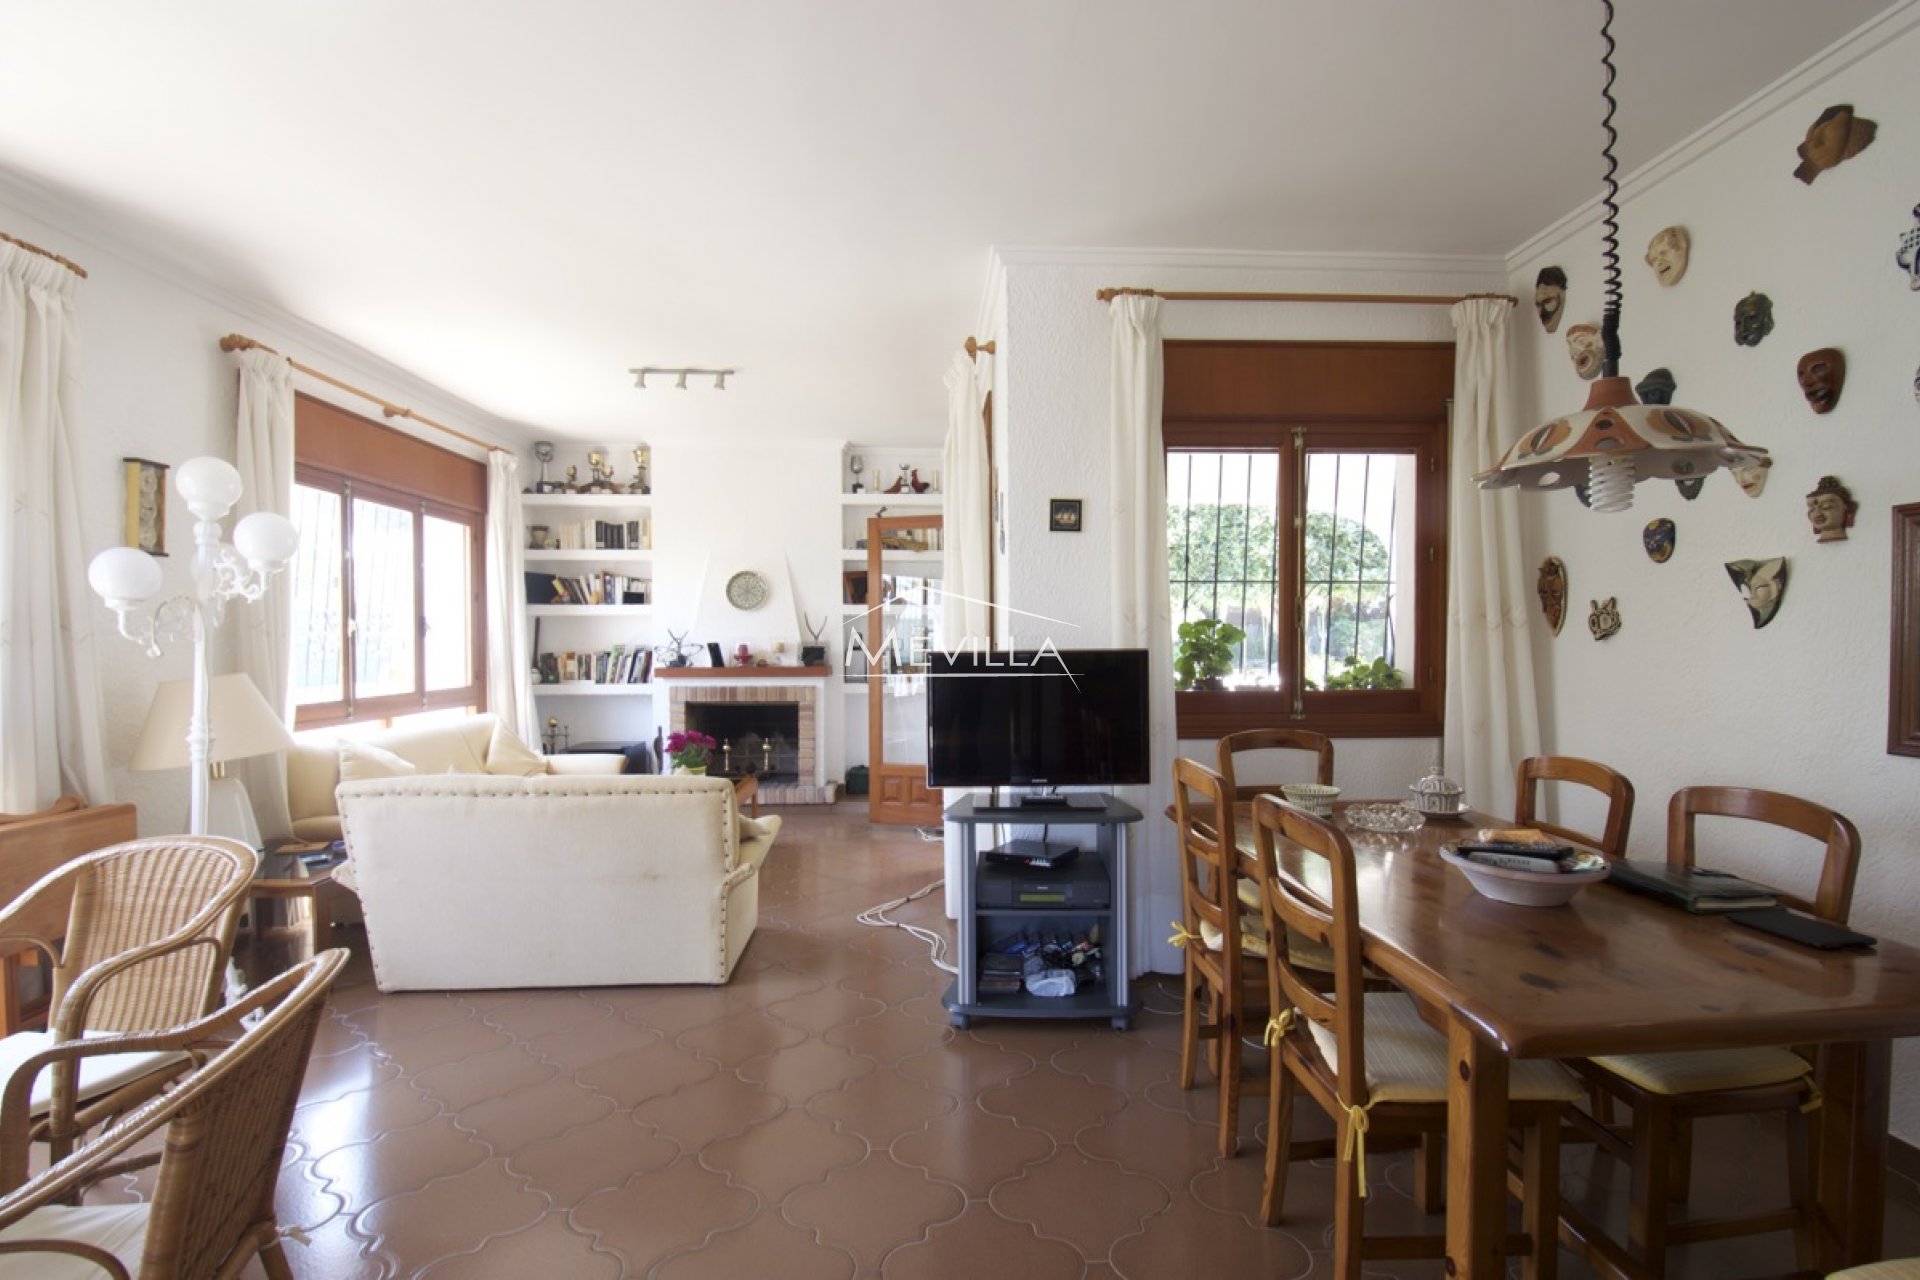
pixel 1293 403
pixel 353 457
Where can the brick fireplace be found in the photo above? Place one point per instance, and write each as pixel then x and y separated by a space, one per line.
pixel 771 714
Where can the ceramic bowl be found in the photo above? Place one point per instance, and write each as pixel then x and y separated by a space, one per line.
pixel 1311 796
pixel 1529 888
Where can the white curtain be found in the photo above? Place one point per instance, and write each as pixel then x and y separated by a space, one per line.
pixel 964 610
pixel 50 714
pixel 509 688
pixel 1493 719
pixel 263 451
pixel 1143 618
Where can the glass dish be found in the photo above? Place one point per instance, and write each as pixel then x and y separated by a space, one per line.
pixel 1388 819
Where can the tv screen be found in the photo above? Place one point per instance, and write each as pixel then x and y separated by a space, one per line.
pixel 1032 718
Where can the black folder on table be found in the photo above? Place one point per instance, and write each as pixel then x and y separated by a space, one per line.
pixel 1698 890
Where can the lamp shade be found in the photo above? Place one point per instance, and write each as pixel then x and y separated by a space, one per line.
pixel 266 538
pixel 241 722
pixel 124 575
pixel 210 485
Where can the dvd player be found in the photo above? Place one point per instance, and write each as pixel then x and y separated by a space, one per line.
pixel 1036 808
pixel 1080 884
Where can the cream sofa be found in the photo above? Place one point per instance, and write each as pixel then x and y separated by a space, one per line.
pixel 475 881
pixel 476 744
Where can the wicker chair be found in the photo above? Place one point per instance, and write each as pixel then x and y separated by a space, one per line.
pixel 139 935
pixel 224 1132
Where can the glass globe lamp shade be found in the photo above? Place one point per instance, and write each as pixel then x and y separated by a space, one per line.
pixel 123 577
pixel 266 539
pixel 210 485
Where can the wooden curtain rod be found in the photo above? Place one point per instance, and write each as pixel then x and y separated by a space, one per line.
pixel 68 263
pixel 239 342
pixel 1413 299
pixel 975 348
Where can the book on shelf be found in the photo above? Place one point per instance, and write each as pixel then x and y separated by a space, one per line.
pixel 601 588
pixel 600 535
pixel 1698 890
pixel 621 664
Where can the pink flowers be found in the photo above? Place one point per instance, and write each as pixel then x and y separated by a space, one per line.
pixel 690 750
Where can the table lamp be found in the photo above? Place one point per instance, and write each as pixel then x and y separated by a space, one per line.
pixel 240 725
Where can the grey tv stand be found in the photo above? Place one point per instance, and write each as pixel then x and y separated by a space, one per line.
pixel 964 999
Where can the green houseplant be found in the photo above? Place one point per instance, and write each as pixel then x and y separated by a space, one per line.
pixel 1377 674
pixel 1205 653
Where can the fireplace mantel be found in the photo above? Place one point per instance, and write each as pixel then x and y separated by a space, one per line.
pixel 741 673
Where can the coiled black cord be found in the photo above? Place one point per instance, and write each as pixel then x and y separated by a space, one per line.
pixel 1610 235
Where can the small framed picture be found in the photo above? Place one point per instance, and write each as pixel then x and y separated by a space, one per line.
pixel 853 586
pixel 1063 515
pixel 146 500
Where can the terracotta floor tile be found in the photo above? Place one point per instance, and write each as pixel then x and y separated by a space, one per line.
pixel 452 1216
pixel 973 1150
pixel 662 1212
pixel 981 1241
pixel 900 1204
pixel 1090 1204
pixel 548 1248
pixel 766 1246
pixel 718 1107
pixel 792 1150
pixel 818 1117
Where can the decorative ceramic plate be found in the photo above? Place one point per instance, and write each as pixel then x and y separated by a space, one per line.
pixel 746 590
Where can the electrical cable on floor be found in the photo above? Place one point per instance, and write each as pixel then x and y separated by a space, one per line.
pixel 876 918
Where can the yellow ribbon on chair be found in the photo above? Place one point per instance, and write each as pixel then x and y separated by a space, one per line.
pixel 1279 1025
pixel 1814 1097
pixel 1181 937
pixel 1355 1147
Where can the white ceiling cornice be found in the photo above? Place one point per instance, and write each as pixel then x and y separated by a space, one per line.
pixel 1253 260
pixel 1808 76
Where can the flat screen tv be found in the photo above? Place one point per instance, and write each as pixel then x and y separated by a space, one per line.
pixel 1037 718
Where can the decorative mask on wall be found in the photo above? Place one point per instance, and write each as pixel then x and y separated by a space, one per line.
pixel 1762 584
pixel 1550 296
pixel 1752 477
pixel 1752 319
pixel 1667 254
pixel 1583 344
pixel 1658 538
pixel 1690 489
pixel 1837 135
pixel 1552 586
pixel 1908 254
pixel 1657 387
pixel 1822 373
pixel 1830 509
pixel 1604 620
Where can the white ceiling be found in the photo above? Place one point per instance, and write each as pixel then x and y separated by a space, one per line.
pixel 520 201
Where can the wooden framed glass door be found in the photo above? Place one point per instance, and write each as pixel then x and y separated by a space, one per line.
pixel 902 624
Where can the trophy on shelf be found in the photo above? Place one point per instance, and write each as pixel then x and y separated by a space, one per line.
pixel 543 450
pixel 639 484
pixel 856 464
pixel 602 470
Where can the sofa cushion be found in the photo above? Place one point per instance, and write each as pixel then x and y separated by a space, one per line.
pixel 507 755
pixel 362 760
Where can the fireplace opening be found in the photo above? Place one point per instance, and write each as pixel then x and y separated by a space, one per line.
pixel 761 739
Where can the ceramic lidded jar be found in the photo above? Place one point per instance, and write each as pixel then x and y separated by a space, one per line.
pixel 1437 793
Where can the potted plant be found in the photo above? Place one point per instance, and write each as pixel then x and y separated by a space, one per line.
pixel 690 752
pixel 1206 653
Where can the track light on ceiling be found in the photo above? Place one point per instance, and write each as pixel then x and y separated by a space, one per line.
pixel 680 375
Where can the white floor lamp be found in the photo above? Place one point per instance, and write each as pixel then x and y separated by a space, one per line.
pixel 126 578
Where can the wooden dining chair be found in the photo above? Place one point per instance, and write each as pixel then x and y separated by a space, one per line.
pixel 1370 1061
pixel 1535 770
pixel 1224 996
pixel 219 1138
pixel 1251 740
pixel 138 934
pixel 1667 1091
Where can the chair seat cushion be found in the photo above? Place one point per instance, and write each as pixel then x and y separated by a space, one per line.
pixel 1893 1269
pixel 120 1229
pixel 1706 1070
pixel 97 1075
pixel 1407 1059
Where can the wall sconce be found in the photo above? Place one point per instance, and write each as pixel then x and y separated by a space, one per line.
pixel 680 375
pixel 126 578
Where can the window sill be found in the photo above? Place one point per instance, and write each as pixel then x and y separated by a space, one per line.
pixel 1395 713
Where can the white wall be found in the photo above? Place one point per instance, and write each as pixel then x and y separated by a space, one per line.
pixel 1052 408
pixel 1689 692
pixel 154 384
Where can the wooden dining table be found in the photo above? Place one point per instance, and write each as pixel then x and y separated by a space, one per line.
pixel 1617 972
